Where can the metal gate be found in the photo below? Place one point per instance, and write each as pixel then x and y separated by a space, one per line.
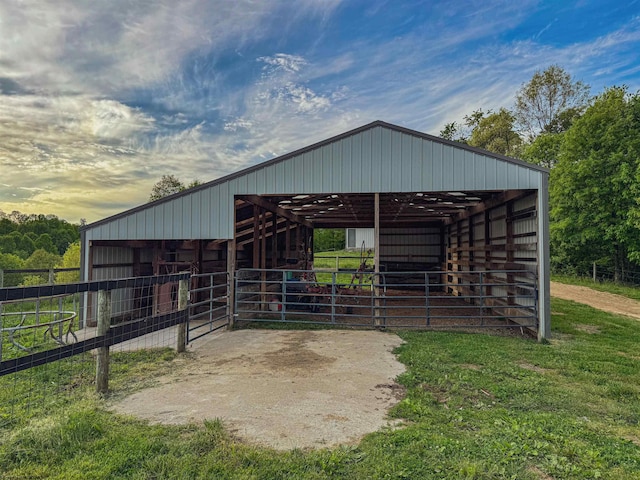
pixel 209 304
pixel 504 298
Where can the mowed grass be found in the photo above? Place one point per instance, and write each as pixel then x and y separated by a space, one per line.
pixel 346 260
pixel 477 406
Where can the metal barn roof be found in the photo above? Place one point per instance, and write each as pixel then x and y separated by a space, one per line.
pixel 375 158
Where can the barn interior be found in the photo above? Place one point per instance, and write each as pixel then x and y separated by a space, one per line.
pixel 456 232
pixel 450 231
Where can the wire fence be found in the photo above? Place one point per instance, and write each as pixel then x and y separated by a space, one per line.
pixel 40 276
pixel 601 273
pixel 65 341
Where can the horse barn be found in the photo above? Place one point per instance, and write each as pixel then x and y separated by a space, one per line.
pixel 461 237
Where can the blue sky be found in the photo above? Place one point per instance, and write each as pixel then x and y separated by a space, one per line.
pixel 99 99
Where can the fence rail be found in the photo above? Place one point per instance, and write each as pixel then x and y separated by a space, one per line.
pixel 209 306
pixel 32 333
pixel 43 276
pixel 505 298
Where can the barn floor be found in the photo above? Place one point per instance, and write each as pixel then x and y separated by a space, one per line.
pixel 282 389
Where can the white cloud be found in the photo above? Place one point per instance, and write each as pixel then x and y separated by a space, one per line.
pixel 71 145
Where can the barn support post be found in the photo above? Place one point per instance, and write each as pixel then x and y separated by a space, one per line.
pixel 287 240
pixel 274 241
pixel 256 237
pixel 231 271
pixel 376 257
pixel 263 261
pixel 102 356
pixel 183 298
pixel 89 319
pixel 544 267
pixel 510 257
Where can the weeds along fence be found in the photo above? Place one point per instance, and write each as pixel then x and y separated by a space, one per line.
pixel 64 340
pixel 601 273
pixel 43 276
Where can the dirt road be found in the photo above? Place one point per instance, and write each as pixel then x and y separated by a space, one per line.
pixel 607 302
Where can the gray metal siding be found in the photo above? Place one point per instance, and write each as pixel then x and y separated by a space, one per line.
pixel 121 299
pixel 375 160
pixel 410 245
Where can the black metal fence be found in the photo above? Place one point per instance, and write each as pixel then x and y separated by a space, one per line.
pixel 505 298
pixel 209 305
pixel 54 338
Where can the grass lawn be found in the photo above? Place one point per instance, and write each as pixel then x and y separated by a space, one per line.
pixel 477 406
pixel 347 260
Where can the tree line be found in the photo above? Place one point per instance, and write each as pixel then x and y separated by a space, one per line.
pixel 34 242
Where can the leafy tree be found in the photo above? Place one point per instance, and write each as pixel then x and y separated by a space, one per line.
pixel 25 230
pixel 27 246
pixel 495 132
pixel 9 261
pixel 595 185
pixel 44 242
pixel 70 259
pixel 328 239
pixel 168 185
pixel 6 226
pixel 549 101
pixel 450 131
pixel 7 244
pixel 544 150
pixel 40 260
pixel 460 132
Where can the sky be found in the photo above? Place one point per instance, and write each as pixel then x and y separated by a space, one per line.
pixel 99 99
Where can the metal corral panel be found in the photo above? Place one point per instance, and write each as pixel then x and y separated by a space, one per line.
pixel 375 158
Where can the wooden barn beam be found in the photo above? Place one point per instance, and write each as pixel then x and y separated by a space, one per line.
pixel 267 205
pixel 256 237
pixel 502 197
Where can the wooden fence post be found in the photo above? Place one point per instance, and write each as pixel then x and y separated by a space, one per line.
pixel 102 358
pixel 183 298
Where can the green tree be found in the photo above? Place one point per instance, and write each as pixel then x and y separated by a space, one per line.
pixel 544 150
pixel 595 185
pixel 27 246
pixel 40 260
pixel 7 244
pixel 460 132
pixel 169 185
pixel 453 131
pixel 550 101
pixel 44 242
pixel 70 259
pixel 9 261
pixel 328 239
pixel 496 133
pixel 6 226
